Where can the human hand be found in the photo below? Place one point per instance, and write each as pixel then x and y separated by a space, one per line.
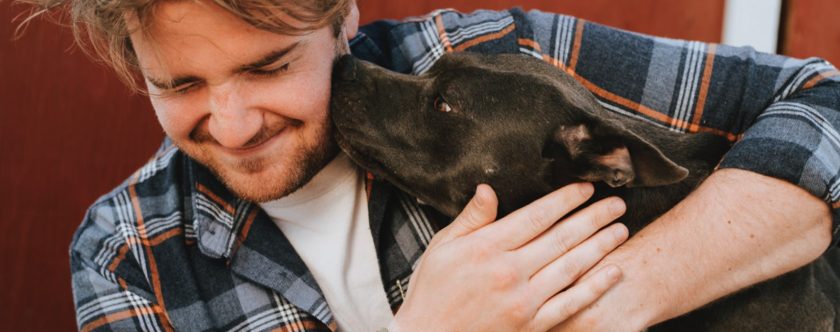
pixel 512 275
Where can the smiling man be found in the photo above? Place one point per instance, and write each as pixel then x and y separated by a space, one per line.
pixel 247 103
pixel 248 218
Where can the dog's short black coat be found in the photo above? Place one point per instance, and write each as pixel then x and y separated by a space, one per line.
pixel 527 128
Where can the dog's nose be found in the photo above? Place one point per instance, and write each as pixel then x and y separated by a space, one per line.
pixel 620 178
pixel 345 68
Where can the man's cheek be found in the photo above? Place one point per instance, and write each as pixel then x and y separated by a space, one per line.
pixel 176 121
pixel 165 120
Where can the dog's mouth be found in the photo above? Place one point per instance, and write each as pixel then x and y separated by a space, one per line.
pixel 348 117
pixel 358 157
pixel 362 158
pixel 378 168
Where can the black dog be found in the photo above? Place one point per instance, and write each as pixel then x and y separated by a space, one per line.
pixel 527 128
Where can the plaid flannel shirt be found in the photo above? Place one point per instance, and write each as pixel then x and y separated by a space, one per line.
pixel 173 249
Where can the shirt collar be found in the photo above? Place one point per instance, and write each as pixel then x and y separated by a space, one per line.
pixel 240 232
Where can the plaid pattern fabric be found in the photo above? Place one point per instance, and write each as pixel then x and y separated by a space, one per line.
pixel 173 249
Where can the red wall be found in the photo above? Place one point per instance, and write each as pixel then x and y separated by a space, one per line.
pixel 69 132
pixel 687 19
pixel 812 29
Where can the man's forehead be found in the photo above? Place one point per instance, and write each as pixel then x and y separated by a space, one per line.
pixel 170 14
pixel 172 22
pixel 173 80
pixel 186 36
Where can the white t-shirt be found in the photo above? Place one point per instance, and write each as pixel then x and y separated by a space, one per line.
pixel 327 223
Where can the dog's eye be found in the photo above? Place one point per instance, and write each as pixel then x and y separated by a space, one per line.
pixel 441 105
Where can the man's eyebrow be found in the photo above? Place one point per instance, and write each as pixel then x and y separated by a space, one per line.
pixel 268 59
pixel 171 84
pixel 264 61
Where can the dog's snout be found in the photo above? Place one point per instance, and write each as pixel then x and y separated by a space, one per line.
pixel 620 178
pixel 346 68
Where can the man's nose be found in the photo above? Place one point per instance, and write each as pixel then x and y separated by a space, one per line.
pixel 233 121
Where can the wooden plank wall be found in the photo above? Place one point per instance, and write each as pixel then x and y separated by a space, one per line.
pixel 686 19
pixel 811 28
pixel 69 132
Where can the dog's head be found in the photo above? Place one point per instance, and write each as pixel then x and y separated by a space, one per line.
pixel 510 121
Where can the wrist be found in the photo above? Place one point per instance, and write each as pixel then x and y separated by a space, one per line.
pixel 632 298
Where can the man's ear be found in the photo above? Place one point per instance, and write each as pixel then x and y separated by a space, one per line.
pixel 351 22
pixel 616 156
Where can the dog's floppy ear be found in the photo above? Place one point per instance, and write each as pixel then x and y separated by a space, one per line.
pixel 572 138
pixel 652 167
pixel 609 153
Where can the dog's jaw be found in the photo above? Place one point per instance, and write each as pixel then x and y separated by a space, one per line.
pixel 380 170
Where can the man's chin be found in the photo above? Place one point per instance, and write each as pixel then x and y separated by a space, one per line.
pixel 263 186
pixel 275 180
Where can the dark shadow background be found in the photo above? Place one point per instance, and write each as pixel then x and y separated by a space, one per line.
pixel 70 131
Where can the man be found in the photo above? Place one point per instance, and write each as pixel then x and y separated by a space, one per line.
pixel 216 233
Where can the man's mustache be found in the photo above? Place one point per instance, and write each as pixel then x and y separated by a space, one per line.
pixel 201 133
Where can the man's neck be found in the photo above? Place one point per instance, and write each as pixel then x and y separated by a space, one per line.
pixel 327 179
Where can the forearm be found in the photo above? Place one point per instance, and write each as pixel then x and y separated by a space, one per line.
pixel 738 228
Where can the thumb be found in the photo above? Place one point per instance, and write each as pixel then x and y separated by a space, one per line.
pixel 479 212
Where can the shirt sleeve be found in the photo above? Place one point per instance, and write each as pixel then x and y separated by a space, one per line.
pixel 108 297
pixel 780 112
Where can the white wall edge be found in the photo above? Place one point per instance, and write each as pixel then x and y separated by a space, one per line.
pixel 752 23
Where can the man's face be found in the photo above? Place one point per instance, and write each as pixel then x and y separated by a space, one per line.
pixel 249 104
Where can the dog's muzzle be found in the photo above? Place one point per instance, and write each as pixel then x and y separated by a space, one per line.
pixel 346 68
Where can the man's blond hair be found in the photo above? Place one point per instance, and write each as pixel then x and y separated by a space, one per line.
pixel 100 26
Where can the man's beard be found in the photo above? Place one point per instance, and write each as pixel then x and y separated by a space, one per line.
pixel 285 177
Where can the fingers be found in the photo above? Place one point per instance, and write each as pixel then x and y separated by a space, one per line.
pixel 567 234
pixel 563 305
pixel 524 224
pixel 480 211
pixel 568 268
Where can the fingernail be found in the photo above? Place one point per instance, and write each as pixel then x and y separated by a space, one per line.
pixel 620 232
pixel 617 206
pixel 586 188
pixel 478 199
